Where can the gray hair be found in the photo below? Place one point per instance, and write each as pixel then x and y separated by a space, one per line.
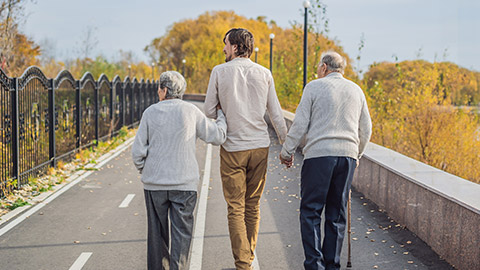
pixel 334 61
pixel 174 82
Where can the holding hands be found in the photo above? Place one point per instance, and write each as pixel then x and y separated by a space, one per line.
pixel 286 161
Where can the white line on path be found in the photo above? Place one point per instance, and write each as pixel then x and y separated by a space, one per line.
pixel 199 230
pixel 79 177
pixel 255 265
pixel 126 201
pixel 81 260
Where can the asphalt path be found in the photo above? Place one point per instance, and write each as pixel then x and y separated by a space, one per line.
pixel 100 223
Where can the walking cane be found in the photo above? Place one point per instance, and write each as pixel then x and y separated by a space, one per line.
pixel 349 229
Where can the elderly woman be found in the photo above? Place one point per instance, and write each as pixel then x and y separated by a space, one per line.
pixel 164 153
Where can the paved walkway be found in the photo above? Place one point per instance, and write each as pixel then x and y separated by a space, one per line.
pixel 100 223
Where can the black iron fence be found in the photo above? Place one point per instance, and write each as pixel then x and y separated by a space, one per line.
pixel 43 120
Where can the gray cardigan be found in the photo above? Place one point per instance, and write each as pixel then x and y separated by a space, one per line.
pixel 333 116
pixel 164 146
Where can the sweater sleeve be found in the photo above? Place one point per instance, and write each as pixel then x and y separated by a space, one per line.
pixel 211 99
pixel 300 125
pixel 140 144
pixel 275 113
pixel 214 132
pixel 364 129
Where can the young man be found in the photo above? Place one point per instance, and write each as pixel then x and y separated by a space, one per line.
pixel 246 92
pixel 333 115
pixel 164 153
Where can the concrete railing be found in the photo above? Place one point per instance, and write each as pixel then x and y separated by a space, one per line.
pixel 441 209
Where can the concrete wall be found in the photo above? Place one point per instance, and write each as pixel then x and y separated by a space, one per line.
pixel 441 209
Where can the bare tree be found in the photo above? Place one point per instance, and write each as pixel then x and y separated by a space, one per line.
pixel 48 50
pixel 89 42
pixel 11 14
pixel 9 9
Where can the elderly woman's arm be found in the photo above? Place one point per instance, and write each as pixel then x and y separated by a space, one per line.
pixel 140 145
pixel 214 132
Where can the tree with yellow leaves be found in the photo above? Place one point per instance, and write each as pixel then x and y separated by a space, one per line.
pixel 17 52
pixel 199 42
pixel 412 112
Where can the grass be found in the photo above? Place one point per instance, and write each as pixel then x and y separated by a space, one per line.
pixel 18 203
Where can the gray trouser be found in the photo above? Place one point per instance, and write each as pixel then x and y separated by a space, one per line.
pixel 179 206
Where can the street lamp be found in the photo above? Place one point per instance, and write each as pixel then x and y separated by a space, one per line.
pixel 306 5
pixel 272 36
pixel 183 71
pixel 256 52
pixel 129 71
pixel 153 71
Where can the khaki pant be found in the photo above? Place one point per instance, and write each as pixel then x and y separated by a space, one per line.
pixel 243 178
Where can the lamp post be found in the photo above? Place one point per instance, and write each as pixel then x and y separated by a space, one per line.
pixel 153 71
pixel 129 71
pixel 272 36
pixel 183 70
pixel 306 5
pixel 256 52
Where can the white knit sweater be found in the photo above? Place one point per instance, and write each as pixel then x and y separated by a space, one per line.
pixel 164 146
pixel 333 116
pixel 246 91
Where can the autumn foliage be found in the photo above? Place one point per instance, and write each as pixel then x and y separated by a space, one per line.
pixel 427 111
pixel 17 51
pixel 418 108
pixel 200 42
pixel 413 112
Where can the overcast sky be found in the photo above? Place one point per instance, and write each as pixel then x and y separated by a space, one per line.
pixel 406 29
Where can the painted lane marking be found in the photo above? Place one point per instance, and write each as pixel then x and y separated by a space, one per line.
pixel 199 230
pixel 126 201
pixel 255 265
pixel 81 261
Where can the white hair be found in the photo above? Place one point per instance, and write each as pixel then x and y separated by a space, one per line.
pixel 334 61
pixel 174 82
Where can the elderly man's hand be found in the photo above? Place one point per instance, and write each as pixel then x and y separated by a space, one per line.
pixel 286 162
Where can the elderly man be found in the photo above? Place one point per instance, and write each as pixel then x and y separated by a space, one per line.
pixel 164 153
pixel 246 92
pixel 333 116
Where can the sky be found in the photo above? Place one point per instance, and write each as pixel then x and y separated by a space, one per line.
pixel 438 30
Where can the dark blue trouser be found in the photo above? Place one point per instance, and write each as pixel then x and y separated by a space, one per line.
pixel 325 183
pixel 177 206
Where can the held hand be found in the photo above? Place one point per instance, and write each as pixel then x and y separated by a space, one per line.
pixel 218 106
pixel 286 162
pixel 358 163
